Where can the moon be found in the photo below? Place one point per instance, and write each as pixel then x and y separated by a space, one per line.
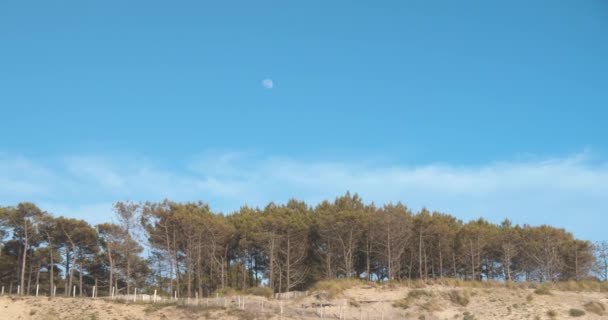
pixel 267 83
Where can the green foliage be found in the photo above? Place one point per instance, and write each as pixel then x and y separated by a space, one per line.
pixel 576 312
pixel 289 247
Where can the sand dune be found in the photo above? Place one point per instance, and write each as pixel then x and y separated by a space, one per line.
pixel 361 302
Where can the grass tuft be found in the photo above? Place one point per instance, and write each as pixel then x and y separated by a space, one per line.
pixel 460 297
pixel 543 291
pixel 576 312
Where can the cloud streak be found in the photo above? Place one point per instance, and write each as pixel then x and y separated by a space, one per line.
pixel 568 192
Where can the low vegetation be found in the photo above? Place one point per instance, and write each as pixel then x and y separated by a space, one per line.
pixel 595 307
pixel 576 312
pixel 468 316
pixel 335 287
pixel 260 291
pixel 543 291
pixel 460 297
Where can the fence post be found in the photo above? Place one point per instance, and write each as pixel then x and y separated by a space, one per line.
pixel 37 287
pixel 154 296
pixel 2 290
pixel 135 295
pixel 18 290
pixel 54 290
pixel 74 294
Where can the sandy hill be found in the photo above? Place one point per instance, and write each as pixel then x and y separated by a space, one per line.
pixel 358 302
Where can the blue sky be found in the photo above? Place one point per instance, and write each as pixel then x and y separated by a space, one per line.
pixel 476 108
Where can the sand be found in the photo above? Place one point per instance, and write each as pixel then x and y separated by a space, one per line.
pixel 363 302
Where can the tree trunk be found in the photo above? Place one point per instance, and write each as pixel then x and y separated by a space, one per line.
pixel 472 260
pixel 52 275
pixel 111 270
pixel 29 279
pixel 420 254
pixel 67 270
pixel 287 279
pixel 38 276
pixel 23 261
pixel 440 261
pixel 80 278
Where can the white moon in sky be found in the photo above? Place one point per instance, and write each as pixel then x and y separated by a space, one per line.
pixel 267 84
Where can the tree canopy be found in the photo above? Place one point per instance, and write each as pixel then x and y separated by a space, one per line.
pixel 186 249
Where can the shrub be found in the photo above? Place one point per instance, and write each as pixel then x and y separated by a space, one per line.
pixel 335 287
pixel 260 291
pixel 552 314
pixel 403 304
pixel 418 293
pixel 576 313
pixel 543 291
pixel 460 297
pixel 226 291
pixel 595 307
pixel 468 316
pixel 432 306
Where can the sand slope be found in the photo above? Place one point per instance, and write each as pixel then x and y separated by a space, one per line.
pixel 362 302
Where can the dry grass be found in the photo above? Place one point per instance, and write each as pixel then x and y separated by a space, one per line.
pixel 403 303
pixel 577 286
pixel 595 307
pixel 460 297
pixel 260 291
pixel 432 305
pixel 334 288
pixel 419 293
pixel 543 291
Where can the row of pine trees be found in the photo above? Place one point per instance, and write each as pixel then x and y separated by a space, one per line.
pixel 186 249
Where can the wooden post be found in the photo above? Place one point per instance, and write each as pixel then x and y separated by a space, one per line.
pixel 154 296
pixel 93 294
pixel 18 289
pixel 135 295
pixel 2 290
pixel 54 290
pixel 37 287
pixel 74 294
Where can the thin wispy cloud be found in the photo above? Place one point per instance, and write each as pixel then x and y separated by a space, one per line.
pixel 528 191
